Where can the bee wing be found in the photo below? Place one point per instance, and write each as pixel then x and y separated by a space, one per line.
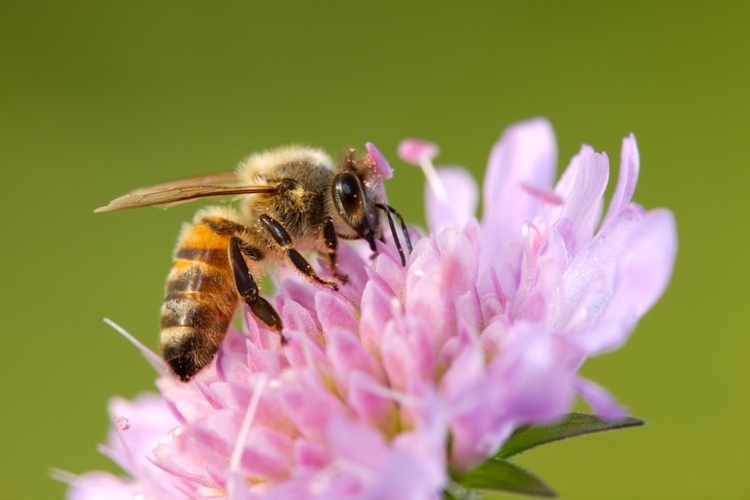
pixel 182 190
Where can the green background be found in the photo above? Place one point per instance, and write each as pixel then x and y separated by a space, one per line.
pixel 99 98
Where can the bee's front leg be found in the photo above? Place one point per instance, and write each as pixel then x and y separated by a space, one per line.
pixel 282 238
pixel 332 244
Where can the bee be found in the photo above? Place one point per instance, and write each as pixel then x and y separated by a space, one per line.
pixel 293 199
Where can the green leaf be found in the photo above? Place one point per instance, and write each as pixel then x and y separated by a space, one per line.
pixel 501 475
pixel 573 424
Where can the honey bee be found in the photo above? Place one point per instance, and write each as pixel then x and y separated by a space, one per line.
pixel 293 199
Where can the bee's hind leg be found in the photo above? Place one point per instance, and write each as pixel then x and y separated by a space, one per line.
pixel 282 238
pixel 248 289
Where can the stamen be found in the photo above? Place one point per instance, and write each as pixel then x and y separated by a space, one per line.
pixel 239 446
pixel 153 358
pixel 122 424
pixel 419 152
pixel 544 194
pixel 63 476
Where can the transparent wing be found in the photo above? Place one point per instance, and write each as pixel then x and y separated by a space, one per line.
pixel 182 190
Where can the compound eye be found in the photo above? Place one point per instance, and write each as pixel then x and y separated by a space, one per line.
pixel 348 196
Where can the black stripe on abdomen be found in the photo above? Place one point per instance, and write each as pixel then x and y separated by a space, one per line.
pixel 186 311
pixel 214 256
pixel 198 278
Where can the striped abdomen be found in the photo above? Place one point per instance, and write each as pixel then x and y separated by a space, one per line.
pixel 200 300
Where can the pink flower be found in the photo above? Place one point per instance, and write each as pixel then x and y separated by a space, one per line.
pixel 409 372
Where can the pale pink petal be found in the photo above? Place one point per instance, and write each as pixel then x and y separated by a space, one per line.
pixel 423 296
pixel 309 404
pixel 259 360
pixel 400 477
pixel 462 204
pixel 525 155
pixel 567 180
pixel 149 422
pixel 192 409
pixel 351 261
pixel 383 473
pixel 469 310
pixel 384 168
pixel 186 459
pixel 458 271
pixel 376 311
pixel 504 275
pixel 99 485
pixel 305 352
pixel 310 454
pixel 421 341
pixel 267 454
pixel 536 373
pixel 544 301
pixel 347 354
pixel 298 319
pixel 392 272
pixel 589 280
pixel 348 438
pixel 232 365
pixel 334 311
pixel 599 399
pixel 236 396
pixel 237 487
pixel 397 358
pixel 371 403
pixel 549 213
pixel 467 369
pixel 628 177
pixel 644 268
pixel 582 205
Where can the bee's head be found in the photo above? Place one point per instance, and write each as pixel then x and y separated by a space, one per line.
pixel 357 192
pixel 354 206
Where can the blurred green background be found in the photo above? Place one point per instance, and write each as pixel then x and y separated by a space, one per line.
pixel 99 98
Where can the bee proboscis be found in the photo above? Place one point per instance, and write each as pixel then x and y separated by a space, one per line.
pixel 293 199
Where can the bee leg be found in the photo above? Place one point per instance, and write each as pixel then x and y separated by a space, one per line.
pixel 332 244
pixel 282 238
pixel 248 289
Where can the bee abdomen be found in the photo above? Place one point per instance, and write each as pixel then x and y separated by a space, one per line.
pixel 199 304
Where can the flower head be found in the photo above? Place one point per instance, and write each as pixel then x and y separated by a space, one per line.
pixel 409 372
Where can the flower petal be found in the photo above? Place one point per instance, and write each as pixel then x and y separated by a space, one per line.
pixel 98 485
pixel 384 168
pixel 643 271
pixel 526 154
pixel 463 200
pixel 583 204
pixel 600 400
pixel 589 280
pixel 628 177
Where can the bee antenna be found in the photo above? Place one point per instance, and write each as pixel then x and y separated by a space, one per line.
pixel 388 211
